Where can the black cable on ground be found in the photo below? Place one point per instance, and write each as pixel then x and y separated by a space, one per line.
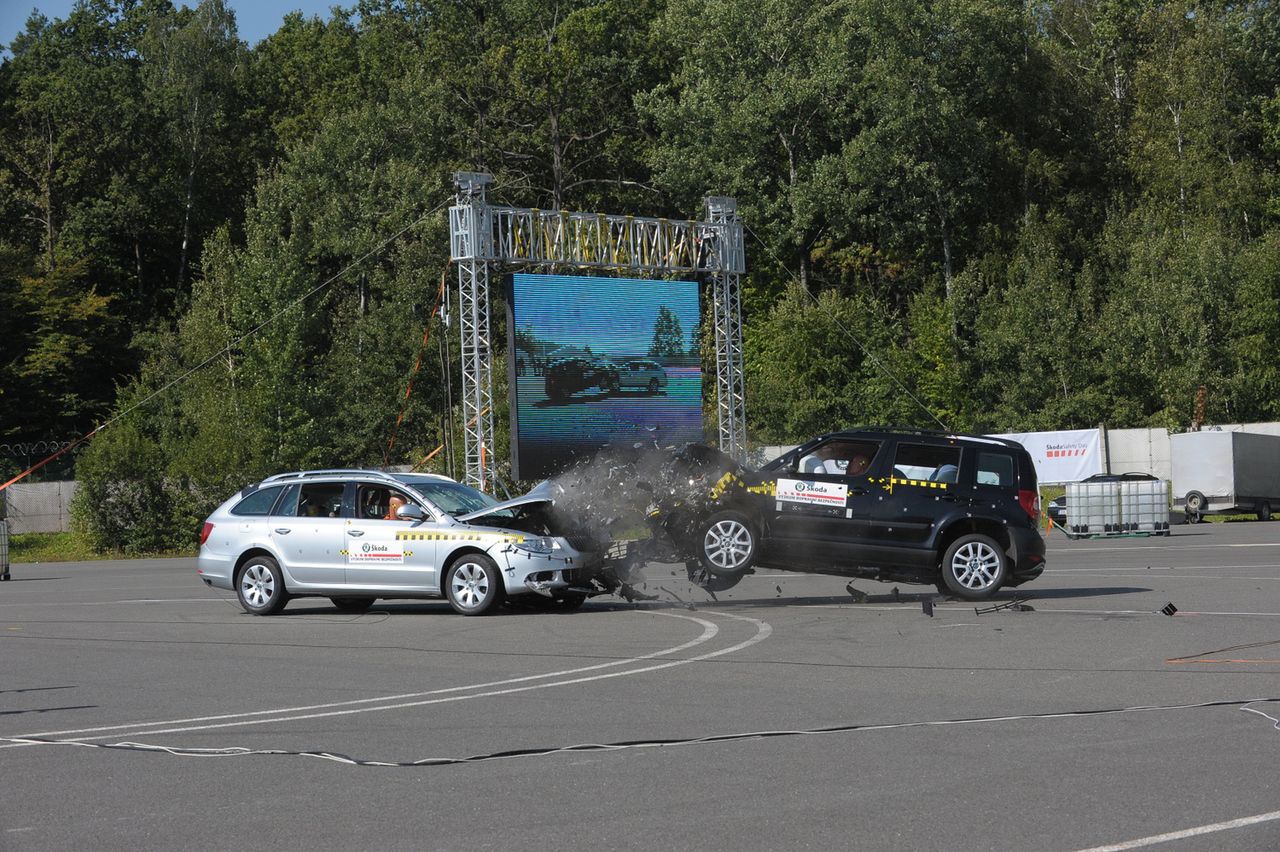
pixel 1242 704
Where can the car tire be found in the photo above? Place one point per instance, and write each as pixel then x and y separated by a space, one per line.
pixel 352 605
pixel 653 386
pixel 555 392
pixel 974 567
pixel 705 580
pixel 1264 511
pixel 727 544
pixel 260 586
pixel 1195 503
pixel 473 585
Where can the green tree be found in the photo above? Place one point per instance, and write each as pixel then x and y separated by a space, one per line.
pixel 668 335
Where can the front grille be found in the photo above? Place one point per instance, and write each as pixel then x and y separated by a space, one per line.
pixel 583 543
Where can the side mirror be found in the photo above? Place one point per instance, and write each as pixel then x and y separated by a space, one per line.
pixel 411 512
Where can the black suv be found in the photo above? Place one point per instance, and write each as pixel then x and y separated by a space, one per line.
pixel 570 375
pixel 958 511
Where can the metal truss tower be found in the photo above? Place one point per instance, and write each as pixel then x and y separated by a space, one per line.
pixel 482 237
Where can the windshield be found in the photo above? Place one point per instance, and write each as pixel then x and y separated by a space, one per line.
pixel 452 498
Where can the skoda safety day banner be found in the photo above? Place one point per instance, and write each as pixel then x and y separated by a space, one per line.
pixel 812 493
pixel 1063 456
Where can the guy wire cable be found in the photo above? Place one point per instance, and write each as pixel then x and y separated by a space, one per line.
pixel 215 356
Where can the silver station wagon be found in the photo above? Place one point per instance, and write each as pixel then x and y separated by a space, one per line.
pixel 354 536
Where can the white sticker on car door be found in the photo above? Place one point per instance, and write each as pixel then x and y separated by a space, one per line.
pixel 391 552
pixel 812 493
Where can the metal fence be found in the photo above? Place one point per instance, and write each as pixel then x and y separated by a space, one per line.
pixel 39 506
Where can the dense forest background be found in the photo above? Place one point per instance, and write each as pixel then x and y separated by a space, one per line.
pixel 1031 215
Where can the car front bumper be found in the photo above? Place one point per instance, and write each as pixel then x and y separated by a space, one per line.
pixel 564 569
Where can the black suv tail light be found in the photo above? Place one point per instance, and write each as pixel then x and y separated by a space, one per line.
pixel 204 532
pixel 1030 503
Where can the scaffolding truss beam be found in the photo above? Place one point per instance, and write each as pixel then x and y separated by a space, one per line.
pixel 482 237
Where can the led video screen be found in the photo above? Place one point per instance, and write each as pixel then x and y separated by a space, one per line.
pixel 596 362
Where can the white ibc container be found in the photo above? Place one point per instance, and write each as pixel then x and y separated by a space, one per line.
pixel 1144 505
pixel 1093 507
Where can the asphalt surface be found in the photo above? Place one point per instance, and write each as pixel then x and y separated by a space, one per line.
pixel 958 730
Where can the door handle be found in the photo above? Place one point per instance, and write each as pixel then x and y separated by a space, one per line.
pixel 356 533
pixel 282 531
pixel 857 491
pixel 955 498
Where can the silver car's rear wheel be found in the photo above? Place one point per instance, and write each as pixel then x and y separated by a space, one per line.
pixel 974 567
pixel 260 586
pixel 473 584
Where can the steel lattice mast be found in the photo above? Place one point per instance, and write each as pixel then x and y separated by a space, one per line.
pixel 482 237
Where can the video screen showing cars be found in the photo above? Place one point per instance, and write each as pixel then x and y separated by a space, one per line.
pixel 597 362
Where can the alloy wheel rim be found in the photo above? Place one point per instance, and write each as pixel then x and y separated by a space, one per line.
pixel 727 545
pixel 976 565
pixel 258 586
pixel 470 585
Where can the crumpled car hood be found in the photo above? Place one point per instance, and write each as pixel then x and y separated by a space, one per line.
pixel 544 492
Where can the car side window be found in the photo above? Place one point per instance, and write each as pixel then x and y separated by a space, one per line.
pixel 927 463
pixel 839 456
pixel 373 502
pixel 257 503
pixel 995 469
pixel 320 500
pixel 287 505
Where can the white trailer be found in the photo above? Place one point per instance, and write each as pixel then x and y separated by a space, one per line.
pixel 1226 472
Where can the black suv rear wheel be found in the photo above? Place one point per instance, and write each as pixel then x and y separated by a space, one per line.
pixel 974 567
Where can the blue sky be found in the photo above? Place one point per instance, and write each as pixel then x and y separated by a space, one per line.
pixel 256 19
pixel 611 315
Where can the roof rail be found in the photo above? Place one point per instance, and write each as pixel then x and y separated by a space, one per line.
pixel 933 433
pixel 305 474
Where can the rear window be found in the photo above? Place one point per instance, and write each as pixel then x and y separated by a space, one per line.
pixel 927 462
pixel 995 469
pixel 258 503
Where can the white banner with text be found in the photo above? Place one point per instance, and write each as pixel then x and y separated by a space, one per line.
pixel 1067 456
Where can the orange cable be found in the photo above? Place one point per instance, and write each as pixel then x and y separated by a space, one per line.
pixel 408 391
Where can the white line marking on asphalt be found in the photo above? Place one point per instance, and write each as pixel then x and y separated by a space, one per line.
pixel 1179 614
pixel 61 604
pixel 1186 832
pixel 1084 552
pixel 1138 572
pixel 763 630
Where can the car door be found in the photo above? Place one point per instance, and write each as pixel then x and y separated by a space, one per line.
pixel 306 530
pixel 823 502
pixel 923 488
pixel 385 553
pixel 253 514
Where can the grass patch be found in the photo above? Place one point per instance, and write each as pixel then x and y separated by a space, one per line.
pixel 67 547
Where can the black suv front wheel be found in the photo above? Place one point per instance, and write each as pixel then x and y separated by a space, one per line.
pixel 727 544
pixel 974 567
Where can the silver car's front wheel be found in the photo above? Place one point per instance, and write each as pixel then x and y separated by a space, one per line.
pixel 260 586
pixel 974 567
pixel 473 584
pixel 728 544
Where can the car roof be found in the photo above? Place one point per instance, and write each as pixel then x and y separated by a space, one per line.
pixel 912 432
